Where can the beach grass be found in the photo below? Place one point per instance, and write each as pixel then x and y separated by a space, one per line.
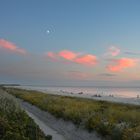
pixel 15 124
pixel 113 121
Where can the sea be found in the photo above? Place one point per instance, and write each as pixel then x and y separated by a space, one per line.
pixel 121 92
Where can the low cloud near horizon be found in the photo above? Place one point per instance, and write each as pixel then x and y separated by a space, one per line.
pixel 79 75
pixel 107 75
pixel 132 53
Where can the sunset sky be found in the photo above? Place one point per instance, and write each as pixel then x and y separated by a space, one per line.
pixel 70 42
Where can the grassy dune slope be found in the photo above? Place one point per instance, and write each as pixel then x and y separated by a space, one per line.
pixel 15 123
pixel 111 120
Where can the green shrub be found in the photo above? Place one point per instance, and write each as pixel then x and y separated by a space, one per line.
pixel 15 123
pixel 112 120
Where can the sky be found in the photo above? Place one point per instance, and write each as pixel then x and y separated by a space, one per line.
pixel 70 42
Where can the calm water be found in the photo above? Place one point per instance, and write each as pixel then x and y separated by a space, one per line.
pixel 103 91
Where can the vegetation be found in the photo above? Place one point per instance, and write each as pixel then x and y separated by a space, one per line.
pixel 15 123
pixel 112 120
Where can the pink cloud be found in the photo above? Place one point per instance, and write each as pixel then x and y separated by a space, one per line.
pixel 113 51
pixel 122 63
pixel 11 47
pixel 69 55
pixel 51 55
pixel 86 59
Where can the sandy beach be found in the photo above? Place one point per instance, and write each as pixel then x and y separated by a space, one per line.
pixel 132 100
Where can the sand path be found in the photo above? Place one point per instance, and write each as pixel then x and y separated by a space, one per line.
pixel 58 128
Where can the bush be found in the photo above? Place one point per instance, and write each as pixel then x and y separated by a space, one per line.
pixel 48 137
pixel 15 123
pixel 111 120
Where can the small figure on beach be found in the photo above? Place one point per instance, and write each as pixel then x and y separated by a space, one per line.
pixel 111 95
pixel 80 93
pixel 138 96
pixel 96 95
pixel 62 91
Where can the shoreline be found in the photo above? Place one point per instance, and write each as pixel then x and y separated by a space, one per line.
pixel 131 101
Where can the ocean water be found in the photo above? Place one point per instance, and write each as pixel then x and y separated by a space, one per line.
pixel 91 91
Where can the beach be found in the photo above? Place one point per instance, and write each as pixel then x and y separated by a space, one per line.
pixel 127 98
pixel 78 117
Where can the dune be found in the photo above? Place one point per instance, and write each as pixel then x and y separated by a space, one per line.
pixel 58 128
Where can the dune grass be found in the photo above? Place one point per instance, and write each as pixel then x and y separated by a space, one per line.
pixel 113 121
pixel 15 123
